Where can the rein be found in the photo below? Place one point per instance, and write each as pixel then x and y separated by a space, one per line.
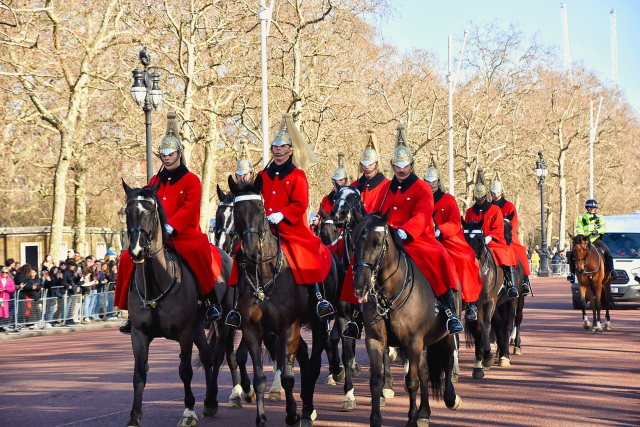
pixel 586 258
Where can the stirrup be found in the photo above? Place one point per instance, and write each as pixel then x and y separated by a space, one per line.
pixel 324 309
pixel 214 312
pixel 352 330
pixel 526 289
pixel 125 327
pixel 453 325
pixel 571 278
pixel 233 319
pixel 512 292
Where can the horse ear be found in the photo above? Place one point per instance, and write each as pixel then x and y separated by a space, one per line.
pixel 386 215
pixel 127 189
pixel 464 223
pixel 323 213
pixel 233 187
pixel 511 215
pixel 571 236
pixel 221 195
pixel 257 184
pixel 155 188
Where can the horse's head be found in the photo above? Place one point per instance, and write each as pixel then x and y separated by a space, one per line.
pixel 372 239
pixel 580 250
pixel 474 235
pixel 329 232
pixel 348 201
pixel 249 217
pixel 225 227
pixel 508 228
pixel 145 220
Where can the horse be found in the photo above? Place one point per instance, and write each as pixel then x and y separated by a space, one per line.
pixel 400 310
pixel 496 312
pixel 591 273
pixel 225 231
pixel 163 302
pixel 270 300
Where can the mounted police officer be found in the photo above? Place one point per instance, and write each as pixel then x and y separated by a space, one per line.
pixel 286 198
pixel 179 192
pixel 593 225
pixel 508 210
pixel 493 227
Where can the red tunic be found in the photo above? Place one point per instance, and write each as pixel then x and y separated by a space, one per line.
pixel 447 218
pixel 180 198
pixel 372 191
pixel 493 226
pixel 411 209
pixel 288 193
pixel 327 204
pixel 507 208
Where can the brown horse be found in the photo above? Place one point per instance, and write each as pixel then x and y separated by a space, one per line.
pixel 590 271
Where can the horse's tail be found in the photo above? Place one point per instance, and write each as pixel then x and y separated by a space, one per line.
pixel 437 364
pixel 211 342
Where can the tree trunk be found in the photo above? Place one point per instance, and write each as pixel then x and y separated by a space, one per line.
pixel 80 209
pixel 208 172
pixel 549 225
pixel 563 200
pixel 59 195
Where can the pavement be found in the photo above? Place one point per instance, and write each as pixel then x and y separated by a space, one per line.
pixel 56 330
pixel 567 376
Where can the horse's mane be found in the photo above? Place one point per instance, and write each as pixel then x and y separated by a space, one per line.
pixel 373 220
pixel 146 192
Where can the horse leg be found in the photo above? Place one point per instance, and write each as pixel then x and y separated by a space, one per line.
pixel 476 330
pixel 235 399
pixel 252 334
pixel 289 347
pixel 349 361
pixel 451 399
pixel 487 332
pixel 598 299
pixel 585 319
pixel 276 391
pixel 606 298
pixel 140 343
pixel 319 334
pixel 387 388
pixel 424 412
pixel 336 373
pixel 411 380
pixel 375 350
pixel 517 349
pixel 186 375
pixel 242 355
pixel 211 360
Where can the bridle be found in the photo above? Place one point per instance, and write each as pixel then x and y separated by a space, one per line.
pixel 585 259
pixel 384 304
pixel 148 235
pixel 229 230
pixel 345 232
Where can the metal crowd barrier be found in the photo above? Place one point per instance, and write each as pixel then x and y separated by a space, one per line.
pixel 49 311
pixel 556 269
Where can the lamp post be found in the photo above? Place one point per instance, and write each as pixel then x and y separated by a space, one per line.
pixel 122 216
pixel 264 15
pixel 146 93
pixel 541 173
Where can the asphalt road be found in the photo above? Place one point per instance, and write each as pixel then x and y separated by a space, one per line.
pixel 566 377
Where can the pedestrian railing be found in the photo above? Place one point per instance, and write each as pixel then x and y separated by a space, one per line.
pixel 555 268
pixel 56 308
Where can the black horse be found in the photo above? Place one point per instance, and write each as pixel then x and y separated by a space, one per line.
pixel 400 310
pixel 269 300
pixel 163 302
pixel 493 299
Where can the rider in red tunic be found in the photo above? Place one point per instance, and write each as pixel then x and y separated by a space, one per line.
pixel 339 179
pixel 493 228
pixel 450 233
pixel 372 184
pixel 286 198
pixel 409 202
pixel 179 192
pixel 507 208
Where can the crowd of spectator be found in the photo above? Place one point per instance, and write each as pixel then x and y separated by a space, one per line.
pixel 557 260
pixel 67 285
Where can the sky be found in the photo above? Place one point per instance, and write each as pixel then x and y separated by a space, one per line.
pixel 426 24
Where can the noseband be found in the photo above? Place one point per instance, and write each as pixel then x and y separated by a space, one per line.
pixel 149 235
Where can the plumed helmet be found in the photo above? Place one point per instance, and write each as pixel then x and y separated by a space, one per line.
pixel 289 134
pixel 591 204
pixel 244 166
pixel 171 142
pixel 433 171
pixel 480 189
pixel 370 154
pixel 340 172
pixel 496 184
pixel 401 153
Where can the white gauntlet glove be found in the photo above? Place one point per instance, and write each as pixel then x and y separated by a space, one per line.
pixel 168 228
pixel 275 218
pixel 402 234
pixel 438 233
pixel 488 239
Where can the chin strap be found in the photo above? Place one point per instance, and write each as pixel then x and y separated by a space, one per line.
pixel 283 154
pixel 402 175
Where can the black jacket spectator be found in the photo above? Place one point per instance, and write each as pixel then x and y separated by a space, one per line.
pixel 70 280
pixel 30 290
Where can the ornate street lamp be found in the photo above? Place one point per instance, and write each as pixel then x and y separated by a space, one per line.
pixel 147 94
pixel 122 216
pixel 541 173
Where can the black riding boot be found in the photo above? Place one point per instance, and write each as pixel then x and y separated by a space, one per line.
pixel 453 323
pixel 234 319
pixel 214 311
pixel 472 312
pixel 512 292
pixel 609 260
pixel 526 286
pixel 125 327
pixel 572 268
pixel 353 328
pixel 324 309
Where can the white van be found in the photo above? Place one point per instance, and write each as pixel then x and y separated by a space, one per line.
pixel 623 239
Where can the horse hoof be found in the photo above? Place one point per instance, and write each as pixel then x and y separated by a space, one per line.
pixel 306 423
pixel 456 404
pixel 488 363
pixel 517 351
pixel 348 405
pixel 188 422
pixel 356 371
pixel 493 346
pixel 597 330
pixel 505 362
pixel 388 393
pixel 586 325
pixel 454 378
pixel 477 373
pixel 607 326
pixel 330 380
pixel 275 396
pixel 212 411
pixel 235 402
pixel 296 423
pixel 340 377
pixel 423 422
pixel 251 397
